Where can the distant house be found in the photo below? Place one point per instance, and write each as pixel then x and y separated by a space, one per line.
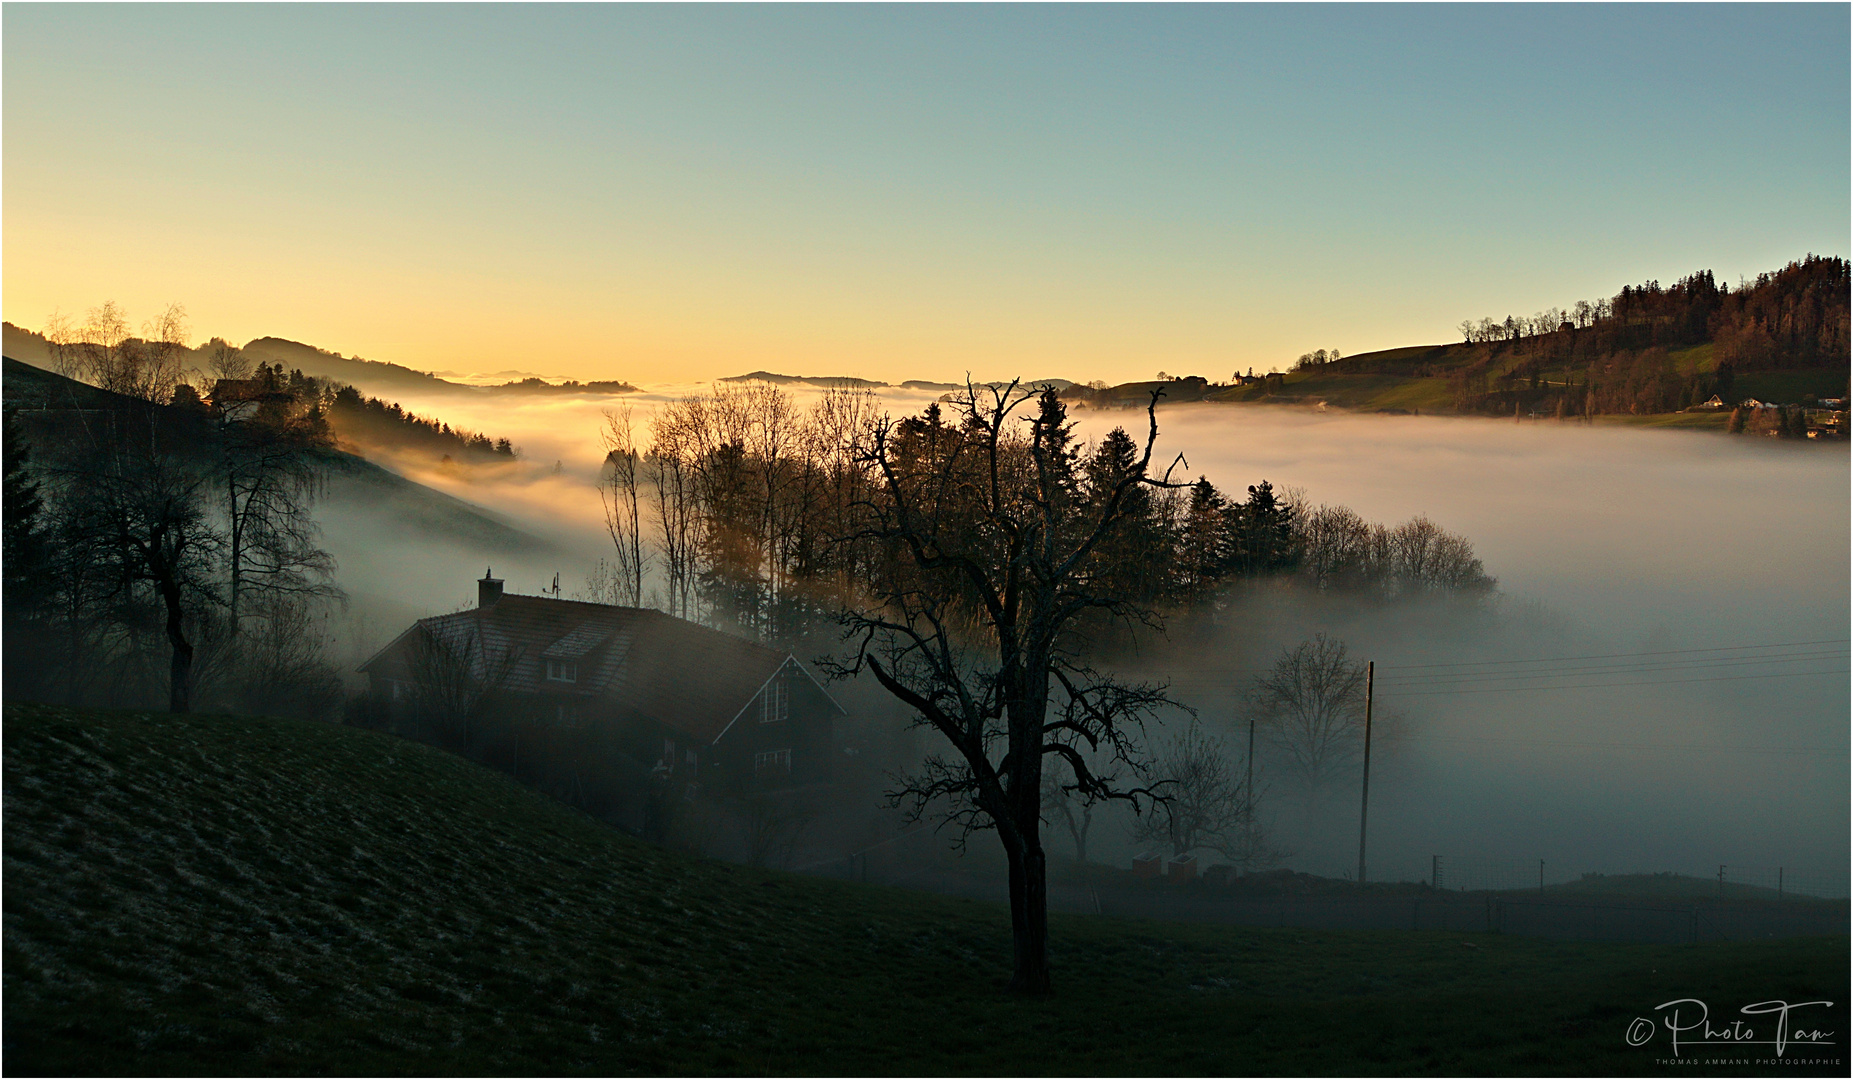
pixel 1713 402
pixel 687 703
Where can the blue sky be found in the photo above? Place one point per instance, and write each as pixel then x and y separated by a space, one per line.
pixel 903 192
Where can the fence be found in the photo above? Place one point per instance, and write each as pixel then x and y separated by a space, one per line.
pixel 1484 875
pixel 1783 881
pixel 1461 874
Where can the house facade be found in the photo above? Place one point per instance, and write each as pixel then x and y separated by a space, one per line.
pixel 634 690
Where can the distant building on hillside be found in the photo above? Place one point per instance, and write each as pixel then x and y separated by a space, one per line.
pixel 632 692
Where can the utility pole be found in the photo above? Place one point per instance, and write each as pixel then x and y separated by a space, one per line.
pixel 1251 767
pixel 1370 679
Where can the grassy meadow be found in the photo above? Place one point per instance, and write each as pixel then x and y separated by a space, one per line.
pixel 218 895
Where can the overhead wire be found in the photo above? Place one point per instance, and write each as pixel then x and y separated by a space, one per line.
pixel 1486 677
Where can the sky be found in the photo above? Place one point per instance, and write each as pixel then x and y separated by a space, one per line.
pixel 680 193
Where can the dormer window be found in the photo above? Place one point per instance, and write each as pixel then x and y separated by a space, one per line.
pixel 774 701
pixel 562 671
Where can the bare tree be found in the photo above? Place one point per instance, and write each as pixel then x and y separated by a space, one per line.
pixel 280 667
pixel 619 489
pixel 1311 703
pixel 226 361
pixel 1207 806
pixel 775 823
pixel 1060 798
pixel 1425 559
pixel 270 480
pixel 983 547
pixel 458 667
pixel 135 513
pixel 102 352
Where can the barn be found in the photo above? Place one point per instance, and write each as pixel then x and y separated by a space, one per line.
pixel 698 709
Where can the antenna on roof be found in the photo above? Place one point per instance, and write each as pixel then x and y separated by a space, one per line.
pixel 556 585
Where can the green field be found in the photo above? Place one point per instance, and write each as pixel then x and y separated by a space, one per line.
pixel 218 895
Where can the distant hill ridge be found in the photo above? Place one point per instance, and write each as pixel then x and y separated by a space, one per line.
pixel 831 382
pixel 376 376
pixel 49 404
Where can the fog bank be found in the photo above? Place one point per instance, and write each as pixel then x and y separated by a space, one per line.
pixel 1605 540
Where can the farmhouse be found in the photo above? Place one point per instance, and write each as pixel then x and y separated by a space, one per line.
pixel 698 708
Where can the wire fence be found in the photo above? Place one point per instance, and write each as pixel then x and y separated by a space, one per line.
pixel 1732 882
pixel 1783 881
pixel 1485 875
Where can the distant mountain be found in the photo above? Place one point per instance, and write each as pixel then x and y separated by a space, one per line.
pixel 823 381
pixel 374 376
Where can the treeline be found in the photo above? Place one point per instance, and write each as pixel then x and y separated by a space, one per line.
pixel 159 554
pixel 351 415
pixel 157 366
pixel 357 416
pixel 535 385
pixel 1793 317
pixel 743 511
pixel 1616 355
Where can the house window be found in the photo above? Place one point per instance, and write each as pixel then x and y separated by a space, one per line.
pixel 771 761
pixel 562 671
pixel 774 702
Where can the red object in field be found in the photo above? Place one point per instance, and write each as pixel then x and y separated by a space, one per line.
pixel 1148 864
pixel 1182 868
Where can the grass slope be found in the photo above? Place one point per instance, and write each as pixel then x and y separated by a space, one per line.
pixel 214 894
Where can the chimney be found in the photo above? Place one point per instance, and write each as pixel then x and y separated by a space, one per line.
pixel 488 590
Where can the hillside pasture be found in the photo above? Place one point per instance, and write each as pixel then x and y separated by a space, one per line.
pixel 236 895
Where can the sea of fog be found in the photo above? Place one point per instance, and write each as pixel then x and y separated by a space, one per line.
pixel 1605 540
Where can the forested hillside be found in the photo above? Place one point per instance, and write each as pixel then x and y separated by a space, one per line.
pixel 1650 349
pixel 155 550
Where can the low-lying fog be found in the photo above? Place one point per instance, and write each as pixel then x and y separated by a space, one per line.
pixel 1605 541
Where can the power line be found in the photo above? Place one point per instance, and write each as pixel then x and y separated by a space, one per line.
pixel 1603 686
pixel 1441 673
pixel 1622 669
pixel 1811 750
pixel 1619 656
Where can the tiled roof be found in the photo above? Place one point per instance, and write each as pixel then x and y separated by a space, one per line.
pixel 675 672
pixel 578 641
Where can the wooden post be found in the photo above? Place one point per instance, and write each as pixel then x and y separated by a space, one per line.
pixel 1370 679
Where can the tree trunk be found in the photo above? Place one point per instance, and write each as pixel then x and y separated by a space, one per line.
pixel 1029 916
pixel 180 668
